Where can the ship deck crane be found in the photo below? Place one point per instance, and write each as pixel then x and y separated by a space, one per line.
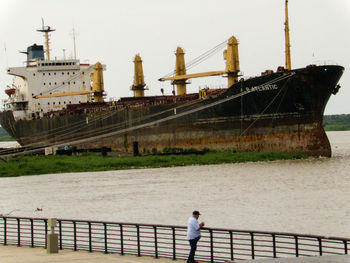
pixel 232 68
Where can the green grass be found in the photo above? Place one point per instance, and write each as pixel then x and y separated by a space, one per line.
pixel 337 127
pixel 6 139
pixel 34 165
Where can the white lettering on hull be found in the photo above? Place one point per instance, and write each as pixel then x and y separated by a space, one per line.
pixel 262 88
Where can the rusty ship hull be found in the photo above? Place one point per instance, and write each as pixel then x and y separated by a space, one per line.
pixel 279 112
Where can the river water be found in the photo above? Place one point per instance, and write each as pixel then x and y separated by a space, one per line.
pixel 303 196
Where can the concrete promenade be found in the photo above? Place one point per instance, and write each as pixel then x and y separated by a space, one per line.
pixel 14 254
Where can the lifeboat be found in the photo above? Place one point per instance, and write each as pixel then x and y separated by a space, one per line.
pixel 10 91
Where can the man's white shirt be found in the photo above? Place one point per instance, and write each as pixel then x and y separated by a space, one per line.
pixel 193 228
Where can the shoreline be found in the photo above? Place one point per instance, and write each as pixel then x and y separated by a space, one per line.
pixel 93 162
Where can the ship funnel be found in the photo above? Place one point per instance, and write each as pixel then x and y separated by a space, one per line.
pixel 180 69
pixel 139 81
pixel 97 82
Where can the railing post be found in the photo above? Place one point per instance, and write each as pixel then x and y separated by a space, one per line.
pixel 320 245
pixel 231 245
pixel 274 245
pixel 45 221
pixel 155 242
pixel 60 232
pixel 211 246
pixel 18 232
pixel 252 244
pixel 121 240
pixel 75 235
pixel 345 247
pixel 90 237
pixel 32 232
pixel 138 241
pixel 5 232
pixel 105 233
pixel 296 246
pixel 174 243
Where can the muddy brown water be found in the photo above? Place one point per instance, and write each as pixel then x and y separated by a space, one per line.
pixel 302 196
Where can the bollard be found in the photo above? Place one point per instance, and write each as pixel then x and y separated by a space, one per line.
pixel 135 148
pixel 52 238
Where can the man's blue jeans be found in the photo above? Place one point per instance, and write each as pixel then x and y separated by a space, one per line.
pixel 193 244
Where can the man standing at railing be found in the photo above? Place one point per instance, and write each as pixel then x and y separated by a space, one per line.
pixel 193 234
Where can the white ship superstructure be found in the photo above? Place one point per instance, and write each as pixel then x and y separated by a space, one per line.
pixel 47 86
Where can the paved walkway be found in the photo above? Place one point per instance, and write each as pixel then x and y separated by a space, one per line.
pixel 323 259
pixel 14 254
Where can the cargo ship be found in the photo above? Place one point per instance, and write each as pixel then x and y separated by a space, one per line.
pixel 62 102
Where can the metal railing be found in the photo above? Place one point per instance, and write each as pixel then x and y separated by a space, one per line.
pixel 215 245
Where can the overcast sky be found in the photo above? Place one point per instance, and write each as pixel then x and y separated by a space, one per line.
pixel 114 31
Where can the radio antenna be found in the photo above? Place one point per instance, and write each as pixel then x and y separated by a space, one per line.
pixel 7 62
pixel 74 44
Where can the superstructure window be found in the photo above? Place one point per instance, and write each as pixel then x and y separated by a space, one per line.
pixel 33 74
pixel 62 73
pixel 48 103
pixel 49 74
pixel 43 74
pixel 44 83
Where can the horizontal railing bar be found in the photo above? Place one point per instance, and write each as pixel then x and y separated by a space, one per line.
pixel 183 227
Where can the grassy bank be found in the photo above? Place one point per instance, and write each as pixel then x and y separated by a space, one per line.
pixel 340 122
pixel 31 165
pixel 337 127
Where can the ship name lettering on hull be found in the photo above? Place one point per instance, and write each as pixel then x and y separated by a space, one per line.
pixel 262 88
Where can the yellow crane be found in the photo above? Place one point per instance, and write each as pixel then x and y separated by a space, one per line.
pixel 139 80
pixel 286 30
pixel 232 68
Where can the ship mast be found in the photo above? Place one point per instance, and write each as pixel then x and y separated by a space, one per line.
pixel 286 30
pixel 46 30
